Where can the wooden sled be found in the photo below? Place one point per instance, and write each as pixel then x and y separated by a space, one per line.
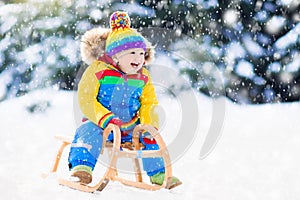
pixel 115 152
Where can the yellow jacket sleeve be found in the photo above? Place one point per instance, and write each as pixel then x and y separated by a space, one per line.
pixel 88 89
pixel 148 103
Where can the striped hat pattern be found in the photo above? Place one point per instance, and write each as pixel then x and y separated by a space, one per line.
pixel 122 37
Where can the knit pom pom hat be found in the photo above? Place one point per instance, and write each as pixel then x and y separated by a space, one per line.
pixel 122 37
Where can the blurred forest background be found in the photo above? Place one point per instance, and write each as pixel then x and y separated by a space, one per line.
pixel 248 51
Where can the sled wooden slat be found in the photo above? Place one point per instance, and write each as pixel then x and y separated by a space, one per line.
pixel 115 153
pixel 141 154
pixel 58 155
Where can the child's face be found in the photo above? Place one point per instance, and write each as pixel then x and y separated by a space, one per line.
pixel 131 61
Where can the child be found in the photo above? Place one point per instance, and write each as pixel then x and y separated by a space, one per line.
pixel 115 89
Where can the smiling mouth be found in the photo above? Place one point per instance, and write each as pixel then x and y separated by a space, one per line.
pixel 134 65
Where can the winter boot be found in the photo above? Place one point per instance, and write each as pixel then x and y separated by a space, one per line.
pixel 83 173
pixel 159 179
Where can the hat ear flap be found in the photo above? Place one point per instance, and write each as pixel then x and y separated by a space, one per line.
pixel 92 44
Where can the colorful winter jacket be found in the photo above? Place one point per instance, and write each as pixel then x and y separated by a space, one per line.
pixel 105 92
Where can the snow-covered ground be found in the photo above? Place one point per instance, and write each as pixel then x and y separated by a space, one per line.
pixel 257 156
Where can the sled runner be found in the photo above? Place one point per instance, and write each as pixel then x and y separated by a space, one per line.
pixel 133 152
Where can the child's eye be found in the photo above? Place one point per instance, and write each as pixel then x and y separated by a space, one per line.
pixel 132 52
pixel 142 53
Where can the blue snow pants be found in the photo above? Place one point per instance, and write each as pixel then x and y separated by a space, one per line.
pixel 87 145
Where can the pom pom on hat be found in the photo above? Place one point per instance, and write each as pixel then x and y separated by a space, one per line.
pixel 122 37
pixel 119 20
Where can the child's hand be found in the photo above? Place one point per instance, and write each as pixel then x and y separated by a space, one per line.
pixel 147 138
pixel 116 121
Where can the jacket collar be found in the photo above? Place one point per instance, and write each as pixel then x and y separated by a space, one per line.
pixel 105 58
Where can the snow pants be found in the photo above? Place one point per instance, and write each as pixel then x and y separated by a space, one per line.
pixel 87 145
